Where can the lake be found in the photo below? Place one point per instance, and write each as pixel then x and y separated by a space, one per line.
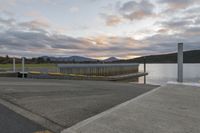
pixel 162 73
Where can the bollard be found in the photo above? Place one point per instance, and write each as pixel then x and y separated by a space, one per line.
pixel 14 65
pixel 23 61
pixel 180 62
pixel 145 70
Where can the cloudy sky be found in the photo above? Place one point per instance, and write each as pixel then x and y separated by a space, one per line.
pixel 97 28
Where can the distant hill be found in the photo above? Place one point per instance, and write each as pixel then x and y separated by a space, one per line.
pixel 189 57
pixel 69 59
pixel 80 59
pixel 77 59
pixel 111 59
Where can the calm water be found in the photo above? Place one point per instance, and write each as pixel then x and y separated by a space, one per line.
pixel 162 73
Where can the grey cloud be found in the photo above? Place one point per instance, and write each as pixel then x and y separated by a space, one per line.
pixel 179 8
pixel 22 40
pixel 137 10
pixel 192 32
pixel 197 21
pixel 32 43
pixel 66 42
pixel 25 40
pixel 168 43
pixel 34 24
pixel 178 4
pixel 22 43
pixel 7 22
pixel 130 10
pixel 178 24
pixel 194 10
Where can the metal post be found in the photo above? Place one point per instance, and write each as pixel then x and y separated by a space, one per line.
pixel 180 62
pixel 145 70
pixel 23 61
pixel 14 65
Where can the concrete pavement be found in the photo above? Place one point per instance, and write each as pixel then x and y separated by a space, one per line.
pixel 173 108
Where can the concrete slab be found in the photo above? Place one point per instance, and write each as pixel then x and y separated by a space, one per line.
pixel 169 109
pixel 59 104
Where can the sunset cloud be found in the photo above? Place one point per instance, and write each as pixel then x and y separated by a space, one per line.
pixel 112 20
pixel 178 4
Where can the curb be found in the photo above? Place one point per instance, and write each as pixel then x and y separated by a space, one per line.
pixel 184 83
pixel 33 117
pixel 73 128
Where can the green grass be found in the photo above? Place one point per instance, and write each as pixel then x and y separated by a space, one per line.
pixel 8 66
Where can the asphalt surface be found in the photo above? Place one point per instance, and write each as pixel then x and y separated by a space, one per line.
pixel 11 122
pixel 67 102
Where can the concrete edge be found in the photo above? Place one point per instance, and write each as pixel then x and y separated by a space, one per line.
pixel 184 83
pixel 33 117
pixel 73 128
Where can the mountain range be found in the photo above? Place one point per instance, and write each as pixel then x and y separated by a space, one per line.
pixel 69 59
pixel 77 59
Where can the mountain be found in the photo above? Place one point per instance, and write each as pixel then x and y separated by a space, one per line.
pixel 192 56
pixel 69 59
pixel 79 59
pixel 76 59
pixel 111 59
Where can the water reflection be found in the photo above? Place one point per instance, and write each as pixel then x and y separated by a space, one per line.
pixel 162 73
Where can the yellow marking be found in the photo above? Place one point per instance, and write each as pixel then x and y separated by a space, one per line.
pixel 58 74
pixel 76 75
pixel 46 131
pixel 34 72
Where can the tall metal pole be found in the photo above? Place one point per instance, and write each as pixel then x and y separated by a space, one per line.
pixel 180 62
pixel 23 61
pixel 145 70
pixel 14 65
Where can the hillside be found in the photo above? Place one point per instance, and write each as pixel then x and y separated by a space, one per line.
pixel 189 57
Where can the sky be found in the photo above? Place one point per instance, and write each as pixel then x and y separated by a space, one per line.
pixel 98 28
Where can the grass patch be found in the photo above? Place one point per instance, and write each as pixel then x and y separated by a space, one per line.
pixel 8 66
